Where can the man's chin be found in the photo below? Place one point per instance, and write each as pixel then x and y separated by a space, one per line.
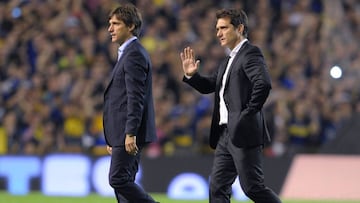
pixel 113 39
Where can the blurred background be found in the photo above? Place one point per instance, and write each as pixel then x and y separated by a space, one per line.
pixel 56 56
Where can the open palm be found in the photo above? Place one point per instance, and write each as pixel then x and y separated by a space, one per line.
pixel 189 64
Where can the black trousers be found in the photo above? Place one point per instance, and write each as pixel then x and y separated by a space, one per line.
pixel 123 168
pixel 230 162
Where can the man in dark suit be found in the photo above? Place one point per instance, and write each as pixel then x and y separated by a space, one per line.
pixel 238 132
pixel 128 105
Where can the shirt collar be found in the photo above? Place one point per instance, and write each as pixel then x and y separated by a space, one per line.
pixel 125 44
pixel 237 48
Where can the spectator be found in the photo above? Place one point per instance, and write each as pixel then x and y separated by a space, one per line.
pixel 52 52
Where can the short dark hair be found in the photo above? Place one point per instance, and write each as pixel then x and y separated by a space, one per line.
pixel 130 15
pixel 237 18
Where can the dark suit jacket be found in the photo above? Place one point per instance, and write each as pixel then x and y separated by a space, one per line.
pixel 247 88
pixel 128 100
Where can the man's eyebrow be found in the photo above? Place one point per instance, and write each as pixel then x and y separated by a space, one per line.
pixel 221 26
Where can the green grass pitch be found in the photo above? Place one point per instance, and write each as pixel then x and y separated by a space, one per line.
pixel 39 198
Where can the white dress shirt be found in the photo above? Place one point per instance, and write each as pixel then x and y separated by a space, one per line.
pixel 223 109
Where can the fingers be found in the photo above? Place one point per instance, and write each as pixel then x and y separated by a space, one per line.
pixel 188 53
pixel 130 145
pixel 109 149
pixel 135 151
pixel 131 149
pixel 182 56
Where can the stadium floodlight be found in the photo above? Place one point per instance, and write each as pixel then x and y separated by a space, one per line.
pixel 336 72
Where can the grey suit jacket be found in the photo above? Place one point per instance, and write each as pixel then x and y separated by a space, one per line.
pixel 247 88
pixel 128 100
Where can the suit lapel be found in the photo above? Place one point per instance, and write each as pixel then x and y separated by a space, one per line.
pixel 222 71
pixel 112 75
pixel 117 65
pixel 235 61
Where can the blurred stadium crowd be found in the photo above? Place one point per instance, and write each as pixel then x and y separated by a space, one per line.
pixel 56 58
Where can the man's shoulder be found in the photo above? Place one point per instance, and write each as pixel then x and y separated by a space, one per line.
pixel 136 49
pixel 136 45
pixel 250 45
pixel 251 48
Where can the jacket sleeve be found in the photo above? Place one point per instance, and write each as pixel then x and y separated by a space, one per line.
pixel 256 71
pixel 136 71
pixel 204 85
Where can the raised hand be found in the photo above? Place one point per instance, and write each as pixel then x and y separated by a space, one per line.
pixel 189 64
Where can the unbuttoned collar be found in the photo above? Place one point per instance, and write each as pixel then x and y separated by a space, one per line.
pixel 237 48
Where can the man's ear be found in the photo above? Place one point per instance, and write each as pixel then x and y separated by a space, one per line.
pixel 131 27
pixel 241 29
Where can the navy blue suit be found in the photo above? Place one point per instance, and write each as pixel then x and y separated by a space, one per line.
pixel 128 100
pixel 129 109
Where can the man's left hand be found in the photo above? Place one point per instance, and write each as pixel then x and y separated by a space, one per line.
pixel 130 145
